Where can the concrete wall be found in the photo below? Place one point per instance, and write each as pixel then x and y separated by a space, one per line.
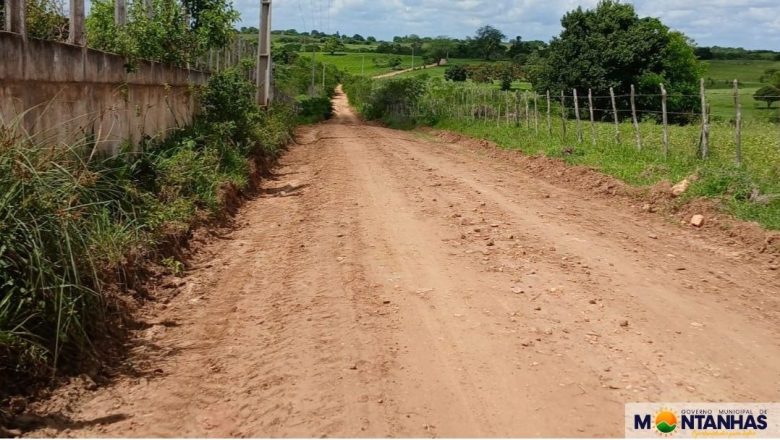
pixel 61 92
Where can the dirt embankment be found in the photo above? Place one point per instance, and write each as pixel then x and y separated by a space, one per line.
pixel 391 283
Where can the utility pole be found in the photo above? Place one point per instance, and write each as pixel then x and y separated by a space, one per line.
pixel 16 17
pixel 264 55
pixel 76 27
pixel 120 12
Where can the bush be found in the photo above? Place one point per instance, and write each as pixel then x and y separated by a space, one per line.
pixel 314 109
pixel 456 73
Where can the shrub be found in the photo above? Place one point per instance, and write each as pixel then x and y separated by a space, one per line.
pixel 456 73
pixel 313 109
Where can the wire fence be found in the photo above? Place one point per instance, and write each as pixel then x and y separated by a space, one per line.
pixel 647 122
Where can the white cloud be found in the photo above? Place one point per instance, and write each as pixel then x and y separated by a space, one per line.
pixel 747 23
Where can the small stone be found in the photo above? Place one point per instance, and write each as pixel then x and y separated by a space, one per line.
pixel 624 323
pixel 593 301
pixel 680 188
pixel 697 220
pixel 697 324
pixel 517 290
pixel 491 243
pixel 387 301
pixel 653 236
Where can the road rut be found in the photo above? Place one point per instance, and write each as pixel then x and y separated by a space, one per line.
pixel 386 283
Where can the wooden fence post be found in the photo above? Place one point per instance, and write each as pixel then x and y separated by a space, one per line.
pixel 536 113
pixel 738 123
pixel 577 116
pixel 527 111
pixel 705 129
pixel 76 25
pixel 549 115
pixel 635 119
pixel 615 114
pixel 486 100
pixel 592 118
pixel 563 115
pixel 665 118
pixel 120 12
pixel 16 17
pixel 508 106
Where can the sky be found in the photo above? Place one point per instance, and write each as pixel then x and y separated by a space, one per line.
pixel 752 24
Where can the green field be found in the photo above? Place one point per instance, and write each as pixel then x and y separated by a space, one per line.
pixel 357 63
pixel 748 72
pixel 720 89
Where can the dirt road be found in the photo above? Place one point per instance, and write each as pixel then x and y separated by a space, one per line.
pixel 399 72
pixel 388 283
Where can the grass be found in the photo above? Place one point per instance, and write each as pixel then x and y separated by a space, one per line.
pixel 749 72
pixel 75 225
pixel 720 177
pixel 363 64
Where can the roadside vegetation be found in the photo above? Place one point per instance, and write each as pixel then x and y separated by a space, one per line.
pixel 78 228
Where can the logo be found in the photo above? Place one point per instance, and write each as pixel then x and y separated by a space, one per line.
pixel 666 421
pixel 702 420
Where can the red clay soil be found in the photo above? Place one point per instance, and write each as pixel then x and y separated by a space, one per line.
pixel 390 283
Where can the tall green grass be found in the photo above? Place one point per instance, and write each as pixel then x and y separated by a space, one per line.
pixel 75 225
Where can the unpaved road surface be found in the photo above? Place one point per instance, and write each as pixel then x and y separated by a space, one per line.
pixel 399 72
pixel 388 283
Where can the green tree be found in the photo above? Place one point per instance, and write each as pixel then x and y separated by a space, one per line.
pixel 171 32
pixel 46 20
pixel 488 41
pixel 610 46
pixel 439 49
pixel 456 73
pixel 332 45
pixel 767 94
